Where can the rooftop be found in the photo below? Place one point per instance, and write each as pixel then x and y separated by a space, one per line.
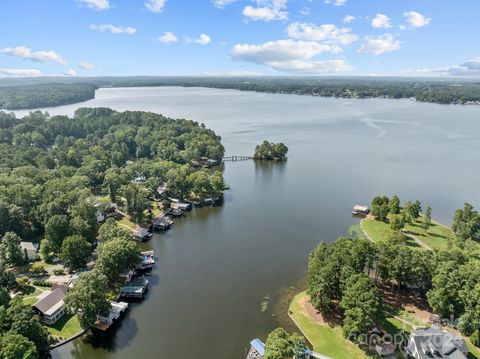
pixel 52 302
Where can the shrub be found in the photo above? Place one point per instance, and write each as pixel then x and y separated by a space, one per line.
pixel 42 283
pixel 58 271
pixel 37 268
pixel 23 283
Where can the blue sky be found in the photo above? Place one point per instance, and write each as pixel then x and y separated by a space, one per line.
pixel 239 37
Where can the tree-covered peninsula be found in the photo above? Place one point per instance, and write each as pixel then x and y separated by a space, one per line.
pixel 45 95
pixel 270 151
pixel 58 174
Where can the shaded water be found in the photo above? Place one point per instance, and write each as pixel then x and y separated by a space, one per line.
pixel 217 264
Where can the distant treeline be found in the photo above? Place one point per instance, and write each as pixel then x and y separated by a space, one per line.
pixel 44 95
pixel 43 92
pixel 453 92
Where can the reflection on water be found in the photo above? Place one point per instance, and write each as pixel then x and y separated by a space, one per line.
pixel 216 264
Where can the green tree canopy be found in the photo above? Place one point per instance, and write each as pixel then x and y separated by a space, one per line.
pixel 16 346
pixel 282 345
pixel 89 297
pixel 75 252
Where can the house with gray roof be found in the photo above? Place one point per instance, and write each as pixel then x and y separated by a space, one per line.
pixel 52 307
pixel 435 343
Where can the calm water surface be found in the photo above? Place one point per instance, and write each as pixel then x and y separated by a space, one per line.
pixel 217 264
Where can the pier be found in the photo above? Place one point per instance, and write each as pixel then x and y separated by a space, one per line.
pixel 237 158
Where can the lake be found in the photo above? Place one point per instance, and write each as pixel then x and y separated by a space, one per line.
pixel 215 266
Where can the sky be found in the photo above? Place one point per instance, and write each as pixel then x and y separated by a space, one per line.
pixel 239 37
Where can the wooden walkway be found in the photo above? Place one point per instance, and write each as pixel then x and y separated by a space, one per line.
pixel 237 158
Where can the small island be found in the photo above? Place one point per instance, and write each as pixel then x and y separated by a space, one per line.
pixel 271 151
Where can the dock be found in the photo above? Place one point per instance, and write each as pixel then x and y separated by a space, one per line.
pixel 132 292
pixel 116 310
pixel 162 223
pixel 237 158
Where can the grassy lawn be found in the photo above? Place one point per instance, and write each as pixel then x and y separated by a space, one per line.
pixel 378 231
pixel 394 326
pixel 474 352
pixel 65 327
pixel 126 222
pixel 356 231
pixel 437 236
pixel 31 294
pixel 325 340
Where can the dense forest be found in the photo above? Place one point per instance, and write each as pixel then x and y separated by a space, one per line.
pixel 43 92
pixel 44 95
pixel 54 174
pixel 49 165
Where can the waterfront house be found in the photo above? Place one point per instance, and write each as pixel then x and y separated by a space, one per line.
pixel 30 250
pixel 436 343
pixel 104 322
pixel 162 191
pixel 51 307
pixel 360 210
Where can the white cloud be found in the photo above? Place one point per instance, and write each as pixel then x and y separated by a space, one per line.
pixel 223 3
pixel 280 51
pixel 305 11
pixel 24 52
pixel 97 4
pixel 313 67
pixel 21 72
pixel 203 39
pixel 379 45
pixel 155 5
pixel 235 73
pixel 267 10
pixel 469 68
pixel 114 29
pixel 70 72
pixel 381 21
pixel 336 2
pixel 290 56
pixel 348 19
pixel 85 65
pixel 416 19
pixel 168 37
pixel 327 33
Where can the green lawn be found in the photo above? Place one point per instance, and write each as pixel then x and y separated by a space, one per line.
pixel 394 326
pixel 437 236
pixel 324 339
pixel 378 231
pixel 31 294
pixel 126 222
pixel 474 352
pixel 65 327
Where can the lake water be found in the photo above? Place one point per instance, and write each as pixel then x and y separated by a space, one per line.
pixel 217 264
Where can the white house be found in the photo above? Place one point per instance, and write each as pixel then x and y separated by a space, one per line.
pixel 30 249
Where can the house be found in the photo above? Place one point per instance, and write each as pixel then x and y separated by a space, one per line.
pixel 436 343
pixel 30 250
pixel 105 321
pixel 51 307
pixel 162 191
pixel 100 216
pixel 360 210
